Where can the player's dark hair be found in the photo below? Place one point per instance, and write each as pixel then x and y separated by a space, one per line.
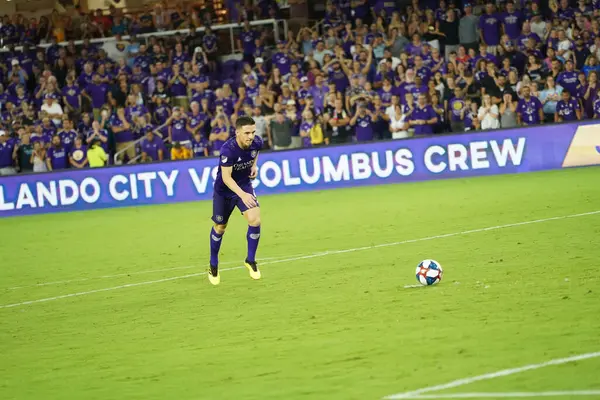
pixel 244 120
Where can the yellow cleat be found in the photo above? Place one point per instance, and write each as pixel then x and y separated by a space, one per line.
pixel 253 269
pixel 213 276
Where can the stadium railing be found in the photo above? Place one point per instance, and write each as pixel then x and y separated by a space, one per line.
pixel 135 144
pixel 224 27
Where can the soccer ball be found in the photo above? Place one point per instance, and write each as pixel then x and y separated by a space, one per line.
pixel 429 272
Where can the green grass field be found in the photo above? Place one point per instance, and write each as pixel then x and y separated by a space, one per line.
pixel 129 314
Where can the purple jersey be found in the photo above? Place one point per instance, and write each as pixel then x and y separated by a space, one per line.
pixel 529 110
pixel 424 73
pixel 282 61
pixel 568 80
pixel 179 131
pixel 152 147
pixel 241 161
pixel 72 93
pixel 104 134
pixel 161 114
pixel 85 79
pixel 78 154
pixel 68 138
pixel 199 147
pixel 247 39
pixel 98 94
pixel 490 28
pixel 512 24
pixel 597 108
pixel 123 136
pixel 364 128
pixel 6 153
pixel 306 126
pixel 567 109
pixel 135 111
pixel 456 107
pixel 180 58
pixel 210 42
pixel 386 96
pixel 57 157
pixel 217 144
pixel 178 88
pixel 43 139
pixel 196 119
pixel 426 113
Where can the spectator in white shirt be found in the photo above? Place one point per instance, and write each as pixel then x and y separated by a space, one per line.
pixel 53 110
pixel 398 124
pixel 488 114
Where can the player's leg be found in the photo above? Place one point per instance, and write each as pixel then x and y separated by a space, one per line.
pixel 252 215
pixel 222 209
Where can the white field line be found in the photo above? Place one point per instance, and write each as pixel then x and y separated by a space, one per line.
pixel 505 372
pixel 149 271
pixel 508 395
pixel 306 257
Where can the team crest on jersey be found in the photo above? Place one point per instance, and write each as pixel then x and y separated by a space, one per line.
pixel 253 154
pixel 223 159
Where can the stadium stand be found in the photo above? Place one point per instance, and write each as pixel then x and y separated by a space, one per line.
pixel 169 81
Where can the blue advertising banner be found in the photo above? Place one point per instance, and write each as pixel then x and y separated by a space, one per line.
pixel 448 156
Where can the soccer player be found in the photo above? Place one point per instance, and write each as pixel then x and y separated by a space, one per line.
pixel 233 188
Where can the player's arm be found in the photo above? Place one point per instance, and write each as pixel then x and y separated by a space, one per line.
pixel 228 180
pixel 254 169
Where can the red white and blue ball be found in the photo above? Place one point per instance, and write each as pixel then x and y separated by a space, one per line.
pixel 429 272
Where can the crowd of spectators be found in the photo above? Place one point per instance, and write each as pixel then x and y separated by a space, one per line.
pixel 369 70
pixel 161 16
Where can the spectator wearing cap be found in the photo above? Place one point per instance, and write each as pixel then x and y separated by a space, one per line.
pixel 52 109
pixel 96 154
pixel 304 90
pixel 468 28
pixel 16 70
pixel 260 70
pixel 180 152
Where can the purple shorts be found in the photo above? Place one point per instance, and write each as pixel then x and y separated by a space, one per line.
pixel 223 205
